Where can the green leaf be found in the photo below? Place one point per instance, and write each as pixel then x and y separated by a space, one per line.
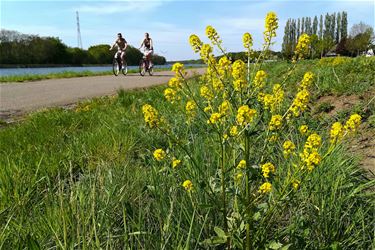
pixel 256 216
pixel 220 232
pixel 214 241
pixel 275 245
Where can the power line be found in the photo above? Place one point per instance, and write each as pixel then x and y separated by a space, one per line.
pixel 79 39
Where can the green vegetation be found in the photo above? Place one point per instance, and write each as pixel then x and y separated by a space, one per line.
pixel 85 178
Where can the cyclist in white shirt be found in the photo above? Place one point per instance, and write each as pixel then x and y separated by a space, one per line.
pixel 121 44
pixel 148 48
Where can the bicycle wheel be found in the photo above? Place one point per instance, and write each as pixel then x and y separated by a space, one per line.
pixel 142 68
pixel 115 67
pixel 151 71
pixel 124 70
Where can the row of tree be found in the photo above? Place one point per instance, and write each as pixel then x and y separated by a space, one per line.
pixel 329 33
pixel 21 49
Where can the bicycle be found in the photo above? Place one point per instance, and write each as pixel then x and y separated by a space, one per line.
pixel 144 67
pixel 117 65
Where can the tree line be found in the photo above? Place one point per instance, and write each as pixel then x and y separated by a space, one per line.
pixel 21 49
pixel 328 33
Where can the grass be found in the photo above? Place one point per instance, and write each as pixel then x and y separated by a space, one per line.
pixel 84 178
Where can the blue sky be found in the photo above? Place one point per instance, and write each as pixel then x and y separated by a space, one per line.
pixel 169 22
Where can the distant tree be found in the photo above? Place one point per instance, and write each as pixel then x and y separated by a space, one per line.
pixel 361 38
pixel 298 28
pixel 338 28
pixel 315 26
pixel 344 25
pixel 333 25
pixel 303 25
pixel 320 35
pixel 101 54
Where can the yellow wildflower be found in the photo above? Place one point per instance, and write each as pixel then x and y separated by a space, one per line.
pixel 300 102
pixel 170 94
pixel 195 43
pixel 260 79
pixel 296 184
pixel 212 35
pixel 238 177
pixel 207 109
pixel 224 107
pixel 190 108
pixel 353 123
pixel 271 26
pixel 174 83
pixel 175 163
pixel 275 123
pixel 289 147
pixel 337 132
pixel 303 129
pixel 206 51
pixel 188 185
pixel 239 84
pixel 178 68
pixel 215 118
pixel 306 81
pixel 150 115
pixel 238 69
pixel 159 154
pixel 233 131
pixel 303 46
pixel 247 40
pixel 268 168
pixel 313 141
pixel 265 188
pixel 241 164
pixel 206 93
pixel 217 84
pixel 245 115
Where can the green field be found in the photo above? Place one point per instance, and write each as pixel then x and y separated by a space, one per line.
pixel 85 177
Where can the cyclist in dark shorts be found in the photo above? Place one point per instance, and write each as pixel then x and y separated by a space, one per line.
pixel 148 48
pixel 121 47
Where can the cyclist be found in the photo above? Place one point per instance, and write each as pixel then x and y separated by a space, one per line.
pixel 148 49
pixel 121 47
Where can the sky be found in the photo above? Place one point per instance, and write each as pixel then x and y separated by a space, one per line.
pixel 169 22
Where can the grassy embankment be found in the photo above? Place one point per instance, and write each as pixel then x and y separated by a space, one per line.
pixel 84 178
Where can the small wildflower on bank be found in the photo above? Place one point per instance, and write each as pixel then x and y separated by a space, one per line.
pixel 150 115
pixel 247 40
pixel 159 154
pixel 178 68
pixel 337 132
pixel 241 164
pixel 190 108
pixel 233 131
pixel 188 185
pixel 175 163
pixel 195 43
pixel 215 118
pixel 212 35
pixel 271 26
pixel 296 184
pixel 303 46
pixel 300 102
pixel 224 107
pixel 313 141
pixel 238 69
pixel 206 93
pixel 303 129
pixel 267 168
pixel 260 79
pixel 245 115
pixel 306 81
pixel 170 94
pixel 289 148
pixel 275 123
pixel 206 51
pixel 265 188
pixel 238 177
pixel 353 123
pixel 207 109
pixel 239 84
pixel 174 83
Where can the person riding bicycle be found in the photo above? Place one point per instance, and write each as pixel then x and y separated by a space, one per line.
pixel 121 44
pixel 148 49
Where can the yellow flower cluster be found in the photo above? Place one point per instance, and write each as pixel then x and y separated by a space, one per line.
pixel 195 43
pixel 296 184
pixel 275 123
pixel 260 79
pixel 217 84
pixel 206 93
pixel 206 52
pixel 239 84
pixel 289 148
pixel 337 132
pixel 241 164
pixel 212 35
pixel 238 69
pixel 245 115
pixel 268 168
pixel 265 188
pixel 159 154
pixel 150 115
pixel 306 81
pixel 271 26
pixel 303 129
pixel 310 156
pixel 233 131
pixel 303 46
pixel 170 94
pixel 178 68
pixel 188 185
pixel 300 102
pixel 224 107
pixel 174 83
pixel 175 163
pixel 353 123
pixel 224 66
pixel 190 108
pixel 247 40
pixel 215 118
pixel 273 101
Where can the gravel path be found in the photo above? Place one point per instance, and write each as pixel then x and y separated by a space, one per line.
pixel 20 98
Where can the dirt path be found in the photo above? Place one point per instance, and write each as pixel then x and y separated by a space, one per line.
pixel 19 98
